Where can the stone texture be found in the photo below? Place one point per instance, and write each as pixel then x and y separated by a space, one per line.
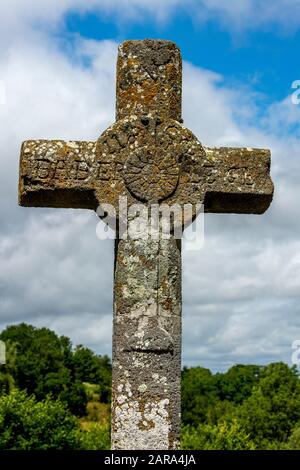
pixel 154 162
pixel 149 79
pixel 149 157
pixel 237 180
pixel 147 345
pixel 58 174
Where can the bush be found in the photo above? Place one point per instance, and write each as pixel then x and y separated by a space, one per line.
pixel 95 437
pixel 26 424
pixel 273 409
pixel 223 436
pixel 42 363
pixel 293 442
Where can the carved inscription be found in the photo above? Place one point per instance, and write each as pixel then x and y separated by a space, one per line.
pixel 239 175
pixel 147 175
pixel 73 170
pixel 211 173
pixel 56 162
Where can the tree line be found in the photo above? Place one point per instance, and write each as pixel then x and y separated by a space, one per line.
pixel 56 396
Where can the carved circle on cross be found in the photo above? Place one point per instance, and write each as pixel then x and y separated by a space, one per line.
pixel 151 161
pixel 150 176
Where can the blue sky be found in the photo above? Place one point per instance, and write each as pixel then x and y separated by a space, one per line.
pixel 265 59
pixel 57 67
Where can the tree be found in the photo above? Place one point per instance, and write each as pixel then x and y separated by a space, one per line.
pixel 223 436
pixel 237 383
pixel 293 442
pixel 94 369
pixel 198 394
pixel 273 408
pixel 26 424
pixel 42 365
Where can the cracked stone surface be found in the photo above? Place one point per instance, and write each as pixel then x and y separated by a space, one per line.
pixel 148 156
pixel 147 345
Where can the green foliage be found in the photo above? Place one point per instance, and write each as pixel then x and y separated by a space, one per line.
pixel 7 381
pixel 93 369
pixel 44 363
pixel 237 383
pixel 40 364
pixel 223 436
pixel 198 393
pixel 247 407
pixel 273 408
pixel 258 405
pixel 95 437
pixel 92 391
pixel 293 442
pixel 207 397
pixel 26 424
pixel 75 396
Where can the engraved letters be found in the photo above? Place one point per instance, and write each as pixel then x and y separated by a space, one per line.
pixel 240 175
pixel 71 170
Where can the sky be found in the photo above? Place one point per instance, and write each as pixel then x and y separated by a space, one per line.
pixel 57 80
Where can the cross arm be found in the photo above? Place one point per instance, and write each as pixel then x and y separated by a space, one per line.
pixel 237 180
pixel 58 174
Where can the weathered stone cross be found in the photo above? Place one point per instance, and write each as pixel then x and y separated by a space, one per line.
pixel 149 157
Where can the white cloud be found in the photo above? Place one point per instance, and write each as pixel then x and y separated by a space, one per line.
pixel 241 291
pixel 21 16
pixel 251 14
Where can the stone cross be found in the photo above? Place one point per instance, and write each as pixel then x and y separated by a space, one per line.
pixel 148 157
